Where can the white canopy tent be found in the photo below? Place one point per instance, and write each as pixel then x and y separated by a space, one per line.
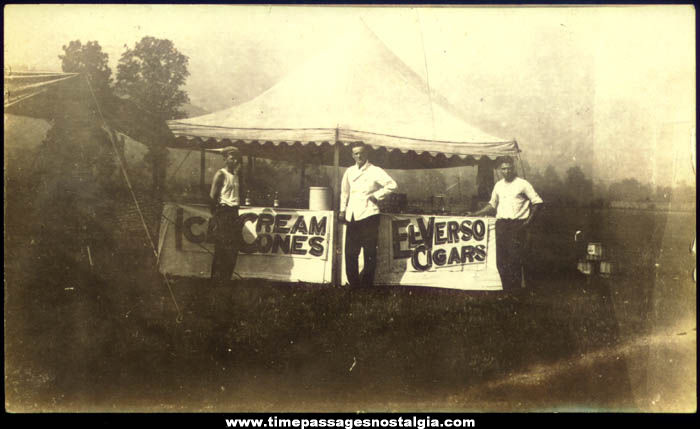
pixel 357 91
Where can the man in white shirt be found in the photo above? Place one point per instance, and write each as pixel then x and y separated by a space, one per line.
pixel 363 186
pixel 516 203
pixel 224 225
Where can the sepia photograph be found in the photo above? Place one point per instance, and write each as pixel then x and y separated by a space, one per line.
pixel 350 209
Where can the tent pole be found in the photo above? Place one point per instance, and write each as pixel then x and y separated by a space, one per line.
pixel 522 167
pixel 520 160
pixel 202 168
pixel 302 179
pixel 336 261
pixel 250 165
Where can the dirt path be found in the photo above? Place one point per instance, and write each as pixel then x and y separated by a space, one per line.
pixel 652 373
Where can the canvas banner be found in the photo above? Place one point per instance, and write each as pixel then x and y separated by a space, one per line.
pixel 279 244
pixel 452 252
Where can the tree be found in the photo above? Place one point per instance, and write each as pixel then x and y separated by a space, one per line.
pixel 77 172
pixel 629 190
pixel 551 177
pixel 77 135
pixel 552 190
pixel 89 60
pixel 152 74
pixel 536 179
pixel 578 187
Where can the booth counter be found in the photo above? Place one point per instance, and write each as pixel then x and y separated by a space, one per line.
pixel 295 245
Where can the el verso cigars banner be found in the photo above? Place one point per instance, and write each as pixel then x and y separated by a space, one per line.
pixel 427 243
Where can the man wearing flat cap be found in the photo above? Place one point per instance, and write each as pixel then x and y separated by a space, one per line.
pixel 226 197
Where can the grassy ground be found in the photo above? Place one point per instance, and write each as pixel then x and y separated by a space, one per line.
pixel 108 339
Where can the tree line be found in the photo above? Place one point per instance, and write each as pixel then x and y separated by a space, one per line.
pixel 575 189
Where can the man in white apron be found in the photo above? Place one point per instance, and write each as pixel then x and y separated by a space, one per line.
pixel 363 186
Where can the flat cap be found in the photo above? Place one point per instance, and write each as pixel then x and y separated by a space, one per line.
pixel 230 149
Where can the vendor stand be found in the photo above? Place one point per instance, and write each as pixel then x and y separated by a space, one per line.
pixel 358 91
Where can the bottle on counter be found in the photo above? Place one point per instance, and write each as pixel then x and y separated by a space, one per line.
pixel 247 198
pixel 276 201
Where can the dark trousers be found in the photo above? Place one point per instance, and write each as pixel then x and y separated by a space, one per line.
pixel 510 243
pixel 227 234
pixel 361 234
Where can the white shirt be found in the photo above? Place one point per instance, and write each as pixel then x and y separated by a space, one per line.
pixel 512 200
pixel 230 189
pixel 361 183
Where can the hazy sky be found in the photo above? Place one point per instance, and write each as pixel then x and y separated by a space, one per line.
pixel 609 88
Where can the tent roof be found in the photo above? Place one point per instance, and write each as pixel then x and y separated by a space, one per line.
pixel 357 91
pixel 21 88
pixel 49 95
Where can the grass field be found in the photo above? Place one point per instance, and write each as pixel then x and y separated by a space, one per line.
pixel 108 340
